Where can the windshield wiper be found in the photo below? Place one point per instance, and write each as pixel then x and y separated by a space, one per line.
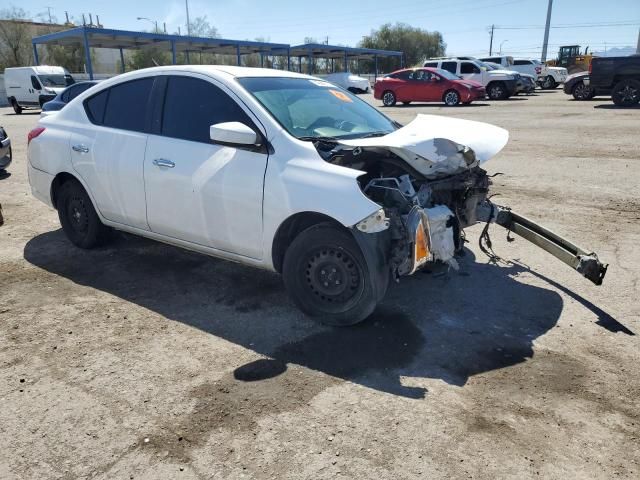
pixel 319 139
pixel 374 134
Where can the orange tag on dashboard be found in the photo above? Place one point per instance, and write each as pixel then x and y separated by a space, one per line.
pixel 341 96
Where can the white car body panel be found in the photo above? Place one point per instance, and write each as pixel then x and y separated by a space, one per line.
pixel 433 158
pixel 239 228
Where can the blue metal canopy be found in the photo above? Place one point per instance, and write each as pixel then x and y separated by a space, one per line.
pixel 91 37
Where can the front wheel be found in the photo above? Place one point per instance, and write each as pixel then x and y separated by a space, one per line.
pixel 497 91
pixel 388 99
pixel 582 92
pixel 78 218
pixel 626 93
pixel 549 83
pixel 327 276
pixel 451 98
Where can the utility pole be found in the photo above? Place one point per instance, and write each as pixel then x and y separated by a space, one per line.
pixel 638 47
pixel 491 41
pixel 49 11
pixel 186 3
pixel 545 44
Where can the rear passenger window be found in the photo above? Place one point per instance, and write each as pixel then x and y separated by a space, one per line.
pixel 95 107
pixel 202 103
pixel 431 64
pixel 127 105
pixel 522 62
pixel 449 66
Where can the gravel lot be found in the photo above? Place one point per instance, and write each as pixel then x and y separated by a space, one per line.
pixel 141 360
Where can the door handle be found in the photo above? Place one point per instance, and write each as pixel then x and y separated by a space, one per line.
pixel 163 162
pixel 80 148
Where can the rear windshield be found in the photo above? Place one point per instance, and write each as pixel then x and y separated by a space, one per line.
pixel 56 80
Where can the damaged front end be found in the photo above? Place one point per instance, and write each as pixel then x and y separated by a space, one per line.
pixel 432 187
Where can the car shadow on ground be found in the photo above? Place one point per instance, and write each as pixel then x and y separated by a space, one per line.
pixel 611 106
pixel 442 325
pixel 441 105
pixel 4 174
pixel 31 112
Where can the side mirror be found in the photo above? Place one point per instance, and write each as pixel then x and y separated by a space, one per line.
pixel 233 133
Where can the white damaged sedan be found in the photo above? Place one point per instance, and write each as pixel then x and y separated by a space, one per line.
pixel 276 170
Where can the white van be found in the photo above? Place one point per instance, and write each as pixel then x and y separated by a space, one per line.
pixel 31 87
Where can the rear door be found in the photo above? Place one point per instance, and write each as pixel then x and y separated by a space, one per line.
pixel 198 191
pixel 108 152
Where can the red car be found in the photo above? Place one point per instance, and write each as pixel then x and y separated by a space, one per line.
pixel 426 85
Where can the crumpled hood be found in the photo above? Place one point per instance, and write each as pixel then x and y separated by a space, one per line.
pixel 434 145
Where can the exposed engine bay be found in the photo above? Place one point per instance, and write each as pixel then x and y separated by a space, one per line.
pixel 431 189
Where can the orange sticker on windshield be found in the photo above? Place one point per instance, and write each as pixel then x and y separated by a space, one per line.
pixel 341 96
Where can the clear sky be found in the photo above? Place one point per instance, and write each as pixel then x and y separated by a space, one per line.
pixel 463 23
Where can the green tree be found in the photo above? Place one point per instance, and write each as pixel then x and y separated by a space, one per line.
pixel 416 44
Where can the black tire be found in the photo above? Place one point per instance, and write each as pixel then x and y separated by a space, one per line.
pixel 16 107
pixel 327 276
pixel 497 91
pixel 78 218
pixel 626 93
pixel 451 98
pixel 388 98
pixel 581 92
pixel 549 83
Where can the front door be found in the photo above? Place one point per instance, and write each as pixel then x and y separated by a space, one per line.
pixel 470 71
pixel 198 191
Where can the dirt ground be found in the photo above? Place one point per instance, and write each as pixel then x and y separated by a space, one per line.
pixel 142 360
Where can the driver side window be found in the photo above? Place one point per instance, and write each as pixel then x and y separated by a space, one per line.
pixel 192 105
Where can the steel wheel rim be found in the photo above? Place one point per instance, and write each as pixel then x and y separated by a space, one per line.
pixel 332 276
pixel 581 91
pixel 387 99
pixel 496 91
pixel 77 215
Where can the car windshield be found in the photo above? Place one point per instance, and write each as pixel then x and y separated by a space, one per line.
pixel 309 108
pixel 447 74
pixel 56 80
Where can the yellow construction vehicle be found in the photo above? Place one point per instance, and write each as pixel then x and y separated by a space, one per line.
pixel 569 57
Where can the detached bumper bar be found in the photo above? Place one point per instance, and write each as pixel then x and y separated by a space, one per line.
pixel 585 263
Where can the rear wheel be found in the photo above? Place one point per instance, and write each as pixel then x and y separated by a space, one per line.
pixel 451 98
pixel 16 107
pixel 78 218
pixel 626 93
pixel 327 276
pixel 388 98
pixel 582 92
pixel 497 91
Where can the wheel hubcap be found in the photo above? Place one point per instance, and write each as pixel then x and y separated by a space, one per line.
pixel 388 99
pixel 496 92
pixel 451 98
pixel 332 275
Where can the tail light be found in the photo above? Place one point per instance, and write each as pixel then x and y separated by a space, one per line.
pixel 590 67
pixel 34 133
pixel 538 70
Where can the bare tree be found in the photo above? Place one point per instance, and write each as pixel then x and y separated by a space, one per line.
pixel 15 38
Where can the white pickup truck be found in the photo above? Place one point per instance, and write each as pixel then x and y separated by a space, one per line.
pixel 548 77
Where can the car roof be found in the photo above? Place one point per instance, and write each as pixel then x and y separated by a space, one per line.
pixel 227 70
